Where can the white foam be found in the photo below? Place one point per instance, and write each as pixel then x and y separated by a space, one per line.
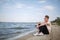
pixel 21 35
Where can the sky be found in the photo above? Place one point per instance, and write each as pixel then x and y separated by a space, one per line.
pixel 28 10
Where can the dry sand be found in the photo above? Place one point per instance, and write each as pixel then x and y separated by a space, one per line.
pixel 54 35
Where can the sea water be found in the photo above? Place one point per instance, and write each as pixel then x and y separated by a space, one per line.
pixel 12 29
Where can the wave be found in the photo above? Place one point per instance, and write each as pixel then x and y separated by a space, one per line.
pixel 16 28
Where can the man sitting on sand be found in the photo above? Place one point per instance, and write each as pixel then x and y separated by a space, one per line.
pixel 44 27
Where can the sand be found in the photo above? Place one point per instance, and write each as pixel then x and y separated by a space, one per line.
pixel 54 35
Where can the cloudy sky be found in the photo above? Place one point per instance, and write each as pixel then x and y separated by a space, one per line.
pixel 28 10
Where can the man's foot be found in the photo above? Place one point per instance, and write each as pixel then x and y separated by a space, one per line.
pixel 40 34
pixel 36 34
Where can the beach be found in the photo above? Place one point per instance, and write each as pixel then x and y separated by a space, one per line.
pixel 54 35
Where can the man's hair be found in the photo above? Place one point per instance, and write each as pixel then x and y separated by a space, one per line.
pixel 47 16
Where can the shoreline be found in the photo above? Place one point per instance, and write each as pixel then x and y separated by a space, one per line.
pixel 21 36
pixel 30 35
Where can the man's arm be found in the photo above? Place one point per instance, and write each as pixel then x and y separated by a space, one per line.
pixel 43 24
pixel 47 24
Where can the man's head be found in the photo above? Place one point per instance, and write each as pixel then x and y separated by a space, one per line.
pixel 46 18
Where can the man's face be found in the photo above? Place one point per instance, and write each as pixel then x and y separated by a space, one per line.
pixel 45 19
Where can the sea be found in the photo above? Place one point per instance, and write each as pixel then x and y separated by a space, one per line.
pixel 13 29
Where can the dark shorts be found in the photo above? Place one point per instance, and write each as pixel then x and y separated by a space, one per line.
pixel 43 29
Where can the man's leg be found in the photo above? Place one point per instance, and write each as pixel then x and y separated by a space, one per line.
pixel 43 29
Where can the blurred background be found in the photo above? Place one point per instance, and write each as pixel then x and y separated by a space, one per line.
pixel 20 16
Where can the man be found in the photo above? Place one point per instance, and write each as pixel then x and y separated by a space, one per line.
pixel 44 27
